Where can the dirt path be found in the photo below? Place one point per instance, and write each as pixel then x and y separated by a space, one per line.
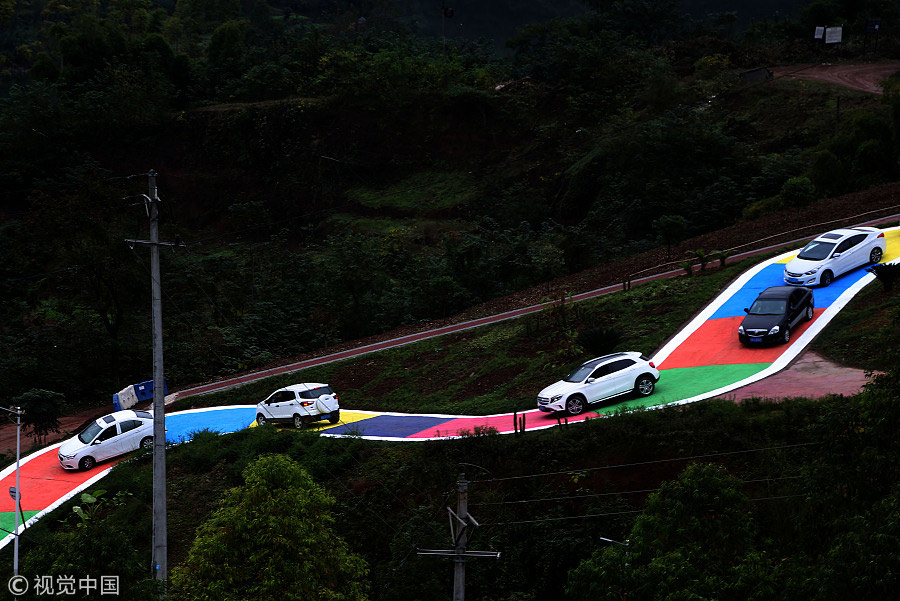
pixel 865 78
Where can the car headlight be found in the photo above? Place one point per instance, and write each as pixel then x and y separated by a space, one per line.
pixel 774 330
pixel 555 398
pixel 812 271
pixel 740 329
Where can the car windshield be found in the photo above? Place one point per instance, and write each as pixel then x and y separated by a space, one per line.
pixel 90 433
pixel 580 374
pixel 816 251
pixel 768 307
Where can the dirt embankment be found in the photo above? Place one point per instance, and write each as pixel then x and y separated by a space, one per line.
pixel 865 78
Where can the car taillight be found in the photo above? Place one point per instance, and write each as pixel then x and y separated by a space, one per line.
pixel 881 235
pixel 652 365
pixel 305 403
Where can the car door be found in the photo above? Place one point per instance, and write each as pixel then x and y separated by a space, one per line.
pixel 130 437
pixel 283 404
pixel 796 307
pixel 850 255
pixel 107 444
pixel 621 372
pixel 599 384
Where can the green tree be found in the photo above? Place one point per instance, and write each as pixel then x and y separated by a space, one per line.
pixel 272 538
pixel 694 540
pixel 42 410
pixel 671 230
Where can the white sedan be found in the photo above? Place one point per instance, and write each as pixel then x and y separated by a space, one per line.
pixel 599 379
pixel 833 254
pixel 109 436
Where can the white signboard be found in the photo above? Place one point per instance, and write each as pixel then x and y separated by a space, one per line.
pixel 833 35
pixel 820 33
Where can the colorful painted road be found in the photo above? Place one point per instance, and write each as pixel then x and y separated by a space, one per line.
pixel 704 360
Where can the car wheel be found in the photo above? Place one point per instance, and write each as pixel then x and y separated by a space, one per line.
pixel 809 312
pixel 298 421
pixel 147 443
pixel 86 463
pixel 787 335
pixel 875 255
pixel 827 278
pixel 335 417
pixel 644 386
pixel 575 404
pixel 260 419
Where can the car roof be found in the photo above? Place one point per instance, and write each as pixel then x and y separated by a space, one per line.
pixel 778 292
pixel 840 233
pixel 302 387
pixel 122 415
pixel 599 360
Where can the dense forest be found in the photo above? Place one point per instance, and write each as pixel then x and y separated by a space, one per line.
pixel 333 169
pixel 334 172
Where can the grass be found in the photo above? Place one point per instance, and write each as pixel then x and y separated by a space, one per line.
pixel 500 367
pixel 865 331
pixel 419 194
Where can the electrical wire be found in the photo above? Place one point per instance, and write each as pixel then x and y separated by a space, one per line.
pixel 610 494
pixel 639 463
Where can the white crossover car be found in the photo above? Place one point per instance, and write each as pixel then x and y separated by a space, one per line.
pixel 599 379
pixel 109 436
pixel 834 253
pixel 299 404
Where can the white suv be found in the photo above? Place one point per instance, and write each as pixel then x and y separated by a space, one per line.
pixel 598 379
pixel 299 404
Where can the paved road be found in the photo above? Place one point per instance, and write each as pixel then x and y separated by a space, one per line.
pixel 702 361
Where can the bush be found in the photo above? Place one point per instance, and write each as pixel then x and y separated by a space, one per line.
pixel 599 341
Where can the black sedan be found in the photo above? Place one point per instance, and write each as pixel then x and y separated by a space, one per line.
pixel 774 312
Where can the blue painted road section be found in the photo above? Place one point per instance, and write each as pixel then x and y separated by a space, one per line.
pixel 394 426
pixel 181 426
pixel 773 275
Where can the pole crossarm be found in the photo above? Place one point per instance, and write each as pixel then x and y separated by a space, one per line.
pixel 130 241
pixel 453 553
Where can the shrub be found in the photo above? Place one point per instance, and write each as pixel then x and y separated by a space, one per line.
pixel 599 341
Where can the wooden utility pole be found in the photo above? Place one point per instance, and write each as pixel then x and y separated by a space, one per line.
pixel 461 523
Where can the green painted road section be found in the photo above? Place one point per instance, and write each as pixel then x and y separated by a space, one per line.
pixel 682 383
pixel 8 520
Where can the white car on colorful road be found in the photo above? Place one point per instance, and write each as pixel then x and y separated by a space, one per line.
pixel 107 437
pixel 299 404
pixel 834 253
pixel 600 379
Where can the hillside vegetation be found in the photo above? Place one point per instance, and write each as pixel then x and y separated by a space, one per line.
pixel 335 173
pixel 333 183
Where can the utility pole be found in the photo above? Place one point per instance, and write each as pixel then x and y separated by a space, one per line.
pixel 16 493
pixel 160 538
pixel 460 532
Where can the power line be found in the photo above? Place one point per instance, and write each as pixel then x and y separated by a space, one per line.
pixel 610 494
pixel 651 462
pixel 614 513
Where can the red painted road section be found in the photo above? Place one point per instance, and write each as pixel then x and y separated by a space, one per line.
pixel 42 481
pixel 534 420
pixel 716 343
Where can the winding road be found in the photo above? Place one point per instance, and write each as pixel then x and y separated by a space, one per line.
pixel 704 360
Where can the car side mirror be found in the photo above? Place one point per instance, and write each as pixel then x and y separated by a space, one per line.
pixel 746 310
pixel 590 380
pixel 835 255
pixel 96 442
